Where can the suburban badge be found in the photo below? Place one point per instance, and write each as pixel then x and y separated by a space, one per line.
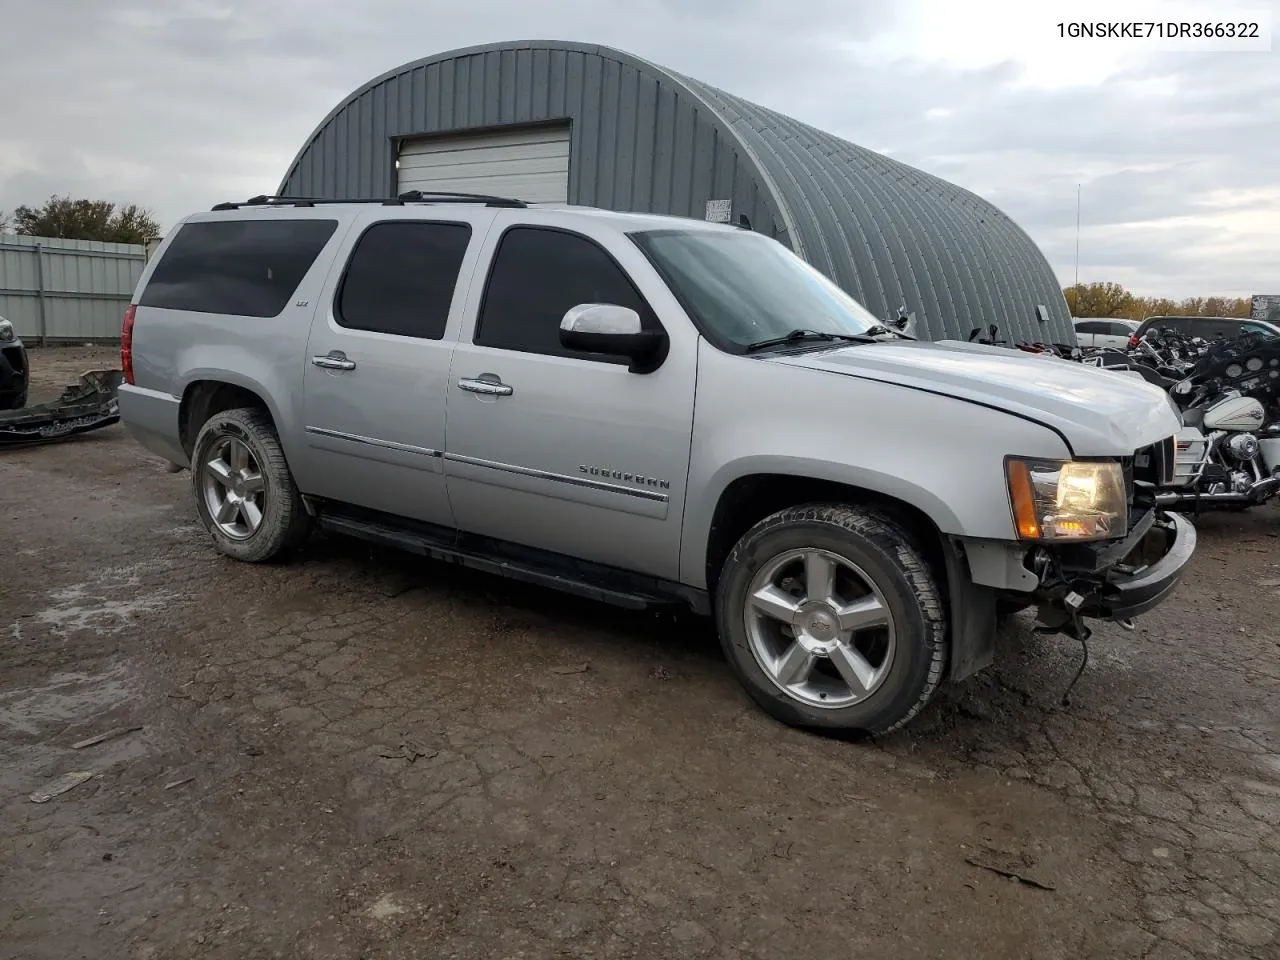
pixel 612 474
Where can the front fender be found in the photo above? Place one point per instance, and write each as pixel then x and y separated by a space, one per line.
pixel 941 455
pixel 931 502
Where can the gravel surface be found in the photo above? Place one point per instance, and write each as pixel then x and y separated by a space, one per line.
pixel 361 754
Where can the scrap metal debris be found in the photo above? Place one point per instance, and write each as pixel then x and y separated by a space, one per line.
pixel 87 405
pixel 60 786
pixel 178 783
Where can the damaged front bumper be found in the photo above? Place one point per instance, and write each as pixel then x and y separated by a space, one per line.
pixel 1114 581
pixel 1066 584
pixel 87 405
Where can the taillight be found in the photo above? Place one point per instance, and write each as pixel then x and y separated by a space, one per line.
pixel 1134 341
pixel 126 344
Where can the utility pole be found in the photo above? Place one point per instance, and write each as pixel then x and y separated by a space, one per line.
pixel 1077 283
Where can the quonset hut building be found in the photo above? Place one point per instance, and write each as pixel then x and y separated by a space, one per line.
pixel 551 121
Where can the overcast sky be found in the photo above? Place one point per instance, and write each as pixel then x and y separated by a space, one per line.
pixel 177 104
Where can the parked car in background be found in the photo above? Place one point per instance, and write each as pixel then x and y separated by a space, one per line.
pixel 649 411
pixel 1209 328
pixel 13 368
pixel 1103 333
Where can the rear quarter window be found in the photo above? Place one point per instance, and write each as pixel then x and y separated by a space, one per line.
pixel 246 268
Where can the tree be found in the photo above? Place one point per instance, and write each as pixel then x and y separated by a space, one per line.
pixel 1098 300
pixel 1114 301
pixel 87 220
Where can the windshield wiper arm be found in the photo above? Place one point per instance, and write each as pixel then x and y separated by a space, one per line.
pixel 798 335
pixel 880 329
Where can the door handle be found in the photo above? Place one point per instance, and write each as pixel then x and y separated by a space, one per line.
pixel 488 388
pixel 334 360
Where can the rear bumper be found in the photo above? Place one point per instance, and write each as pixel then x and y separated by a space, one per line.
pixel 151 417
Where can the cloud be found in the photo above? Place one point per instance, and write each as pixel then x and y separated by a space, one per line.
pixel 177 104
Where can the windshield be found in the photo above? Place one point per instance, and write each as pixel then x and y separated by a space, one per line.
pixel 743 288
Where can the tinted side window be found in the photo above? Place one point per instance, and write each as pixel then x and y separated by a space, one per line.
pixel 401 278
pixel 1176 324
pixel 1093 326
pixel 243 267
pixel 1120 329
pixel 537 276
pixel 1213 329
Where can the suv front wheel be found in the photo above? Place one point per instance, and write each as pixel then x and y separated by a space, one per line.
pixel 245 494
pixel 832 618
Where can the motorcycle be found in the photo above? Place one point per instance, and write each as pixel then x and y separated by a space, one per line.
pixel 1227 393
pixel 1228 451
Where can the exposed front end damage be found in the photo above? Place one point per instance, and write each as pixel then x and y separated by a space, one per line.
pixel 1070 582
pixel 87 405
pixel 1112 581
pixel 1067 586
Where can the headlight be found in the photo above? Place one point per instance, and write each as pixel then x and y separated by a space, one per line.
pixel 1067 499
pixel 6 330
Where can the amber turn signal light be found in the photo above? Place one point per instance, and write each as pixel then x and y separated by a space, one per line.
pixel 1023 499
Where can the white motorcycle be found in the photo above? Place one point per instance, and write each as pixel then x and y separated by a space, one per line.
pixel 1228 450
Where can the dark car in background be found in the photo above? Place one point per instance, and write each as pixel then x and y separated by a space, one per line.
pixel 13 368
pixel 1208 328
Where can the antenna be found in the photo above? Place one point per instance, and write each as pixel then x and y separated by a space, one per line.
pixel 1077 283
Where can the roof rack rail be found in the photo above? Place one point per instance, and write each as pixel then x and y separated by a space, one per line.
pixel 410 196
pixel 268 200
pixel 417 196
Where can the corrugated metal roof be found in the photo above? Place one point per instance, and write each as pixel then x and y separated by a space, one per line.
pixel 891 234
pixel 646 138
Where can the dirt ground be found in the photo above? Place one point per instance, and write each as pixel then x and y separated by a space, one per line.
pixel 363 755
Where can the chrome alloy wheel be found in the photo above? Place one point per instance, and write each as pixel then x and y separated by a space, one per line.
pixel 234 489
pixel 819 628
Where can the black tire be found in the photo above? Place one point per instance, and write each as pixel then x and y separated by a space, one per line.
pixel 285 521
pixel 886 553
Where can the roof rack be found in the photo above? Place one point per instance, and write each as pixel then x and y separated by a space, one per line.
pixel 410 196
pixel 432 196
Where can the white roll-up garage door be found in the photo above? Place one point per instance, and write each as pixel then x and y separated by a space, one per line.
pixel 530 164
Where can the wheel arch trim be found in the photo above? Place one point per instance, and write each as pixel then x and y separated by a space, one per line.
pixel 701 517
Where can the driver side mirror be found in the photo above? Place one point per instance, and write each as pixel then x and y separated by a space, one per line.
pixel 617 331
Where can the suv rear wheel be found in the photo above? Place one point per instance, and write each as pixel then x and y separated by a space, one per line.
pixel 245 494
pixel 832 618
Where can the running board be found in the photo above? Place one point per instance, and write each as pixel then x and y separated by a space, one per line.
pixel 603 584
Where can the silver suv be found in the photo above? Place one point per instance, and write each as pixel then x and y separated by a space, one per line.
pixel 648 411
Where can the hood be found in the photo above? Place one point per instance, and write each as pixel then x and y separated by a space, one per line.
pixel 1099 412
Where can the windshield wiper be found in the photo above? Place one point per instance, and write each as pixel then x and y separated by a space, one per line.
pixel 880 330
pixel 800 335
